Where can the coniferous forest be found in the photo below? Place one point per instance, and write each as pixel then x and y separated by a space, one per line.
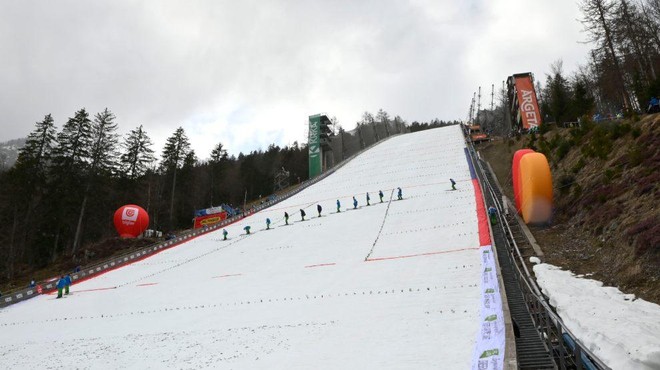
pixel 65 186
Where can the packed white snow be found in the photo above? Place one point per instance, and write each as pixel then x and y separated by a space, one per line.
pixel 303 296
pixel 622 331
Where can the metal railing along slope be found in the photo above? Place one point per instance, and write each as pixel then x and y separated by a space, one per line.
pixel 566 350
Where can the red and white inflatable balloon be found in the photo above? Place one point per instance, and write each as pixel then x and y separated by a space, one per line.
pixel 131 221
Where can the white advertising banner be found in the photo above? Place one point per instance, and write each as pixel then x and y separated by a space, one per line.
pixel 491 339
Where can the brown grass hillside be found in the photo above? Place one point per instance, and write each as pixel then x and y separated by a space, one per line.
pixel 606 180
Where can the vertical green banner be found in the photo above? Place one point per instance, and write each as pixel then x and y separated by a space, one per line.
pixel 314 145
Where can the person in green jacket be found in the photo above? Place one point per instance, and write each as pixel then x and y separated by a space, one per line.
pixel 286 218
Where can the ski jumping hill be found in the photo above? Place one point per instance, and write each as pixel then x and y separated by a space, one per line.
pixel 392 285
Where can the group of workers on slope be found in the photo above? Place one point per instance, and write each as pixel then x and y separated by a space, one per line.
pixel 319 209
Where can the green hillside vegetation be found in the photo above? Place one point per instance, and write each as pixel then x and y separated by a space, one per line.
pixel 606 179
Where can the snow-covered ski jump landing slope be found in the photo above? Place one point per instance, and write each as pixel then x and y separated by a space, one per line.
pixel 388 286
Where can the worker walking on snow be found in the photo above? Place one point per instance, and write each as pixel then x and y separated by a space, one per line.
pixel 67 284
pixel 60 286
pixel 355 203
pixel 224 234
pixel 380 194
pixel 302 215
pixel 247 230
pixel 368 199
pixel 267 223
pixel 338 206
pixel 453 184
pixel 286 218
pixel 399 194
pixel 319 208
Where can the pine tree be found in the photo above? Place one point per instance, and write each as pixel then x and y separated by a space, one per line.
pixel 218 154
pixel 557 95
pixel 102 161
pixel 175 152
pixel 75 142
pixel 218 158
pixel 103 154
pixel 137 155
pixel 34 157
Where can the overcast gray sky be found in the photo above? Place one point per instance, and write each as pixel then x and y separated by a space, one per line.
pixel 248 73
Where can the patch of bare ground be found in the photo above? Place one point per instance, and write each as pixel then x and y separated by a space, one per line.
pixel 606 180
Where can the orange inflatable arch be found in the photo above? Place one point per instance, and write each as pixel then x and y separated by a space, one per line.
pixel 535 188
pixel 515 172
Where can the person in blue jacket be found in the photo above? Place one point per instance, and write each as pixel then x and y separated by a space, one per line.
pixel 267 223
pixel 67 283
pixel 247 229
pixel 319 208
pixel 380 194
pixel 224 234
pixel 355 203
pixel 453 184
pixel 654 105
pixel 60 286
pixel 399 194
pixel 492 213
pixel 368 199
pixel 338 206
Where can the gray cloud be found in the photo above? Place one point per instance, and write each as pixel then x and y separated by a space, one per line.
pixel 249 73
